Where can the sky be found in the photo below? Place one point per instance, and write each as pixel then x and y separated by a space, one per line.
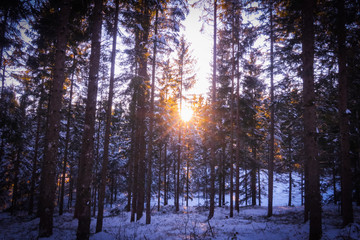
pixel 201 45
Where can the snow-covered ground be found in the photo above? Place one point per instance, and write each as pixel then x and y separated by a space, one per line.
pixel 249 223
pixel 191 223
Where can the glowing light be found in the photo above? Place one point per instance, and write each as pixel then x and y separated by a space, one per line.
pixel 186 114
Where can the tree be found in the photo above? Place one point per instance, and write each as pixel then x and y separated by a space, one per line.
pixel 83 198
pixel 185 79
pixel 272 113
pixel 311 164
pixel 346 178
pixel 108 123
pixel 151 125
pixel 213 102
pixel 48 173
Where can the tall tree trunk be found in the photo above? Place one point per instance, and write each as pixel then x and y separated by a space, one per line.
pixel 131 163
pixel 302 189
pixel 237 150
pixel 71 185
pixel 151 127
pixel 34 176
pixel 272 116
pixel 129 182
pixel 290 188
pixel 165 176
pixel 95 183
pixel 48 173
pixel 232 123
pixel 159 178
pixel 99 220
pixel 213 102
pixel 221 171
pixel 142 110
pixel 187 173
pixel 253 177
pixel 177 197
pixel 177 189
pixel 15 195
pixel 87 149
pixel 311 163
pixel 346 174
pixel 259 186
pixel 66 151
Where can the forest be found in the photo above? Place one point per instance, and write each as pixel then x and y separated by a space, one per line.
pixel 104 136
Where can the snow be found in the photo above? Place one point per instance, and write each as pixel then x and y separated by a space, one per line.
pixel 251 222
pixel 191 223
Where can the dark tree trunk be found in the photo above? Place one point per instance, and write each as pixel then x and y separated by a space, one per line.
pixel 83 197
pixel 246 183
pixel 151 126
pixel 187 178
pixel 15 196
pixel 213 102
pixel 159 178
pixel 34 175
pixel 259 186
pixel 19 151
pixel 237 150
pixel 165 176
pixel 290 188
pixel 311 163
pixel 346 174
pixel 272 116
pixel 232 133
pixel 253 177
pixel 66 151
pixel 221 172
pixel 99 220
pixel 302 190
pixel 95 183
pixel 140 148
pixel 177 189
pixel 48 173
pixel 71 186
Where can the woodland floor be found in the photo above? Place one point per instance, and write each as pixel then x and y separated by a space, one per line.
pixel 249 223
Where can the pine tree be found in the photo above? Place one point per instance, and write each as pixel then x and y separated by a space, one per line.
pixel 311 163
pixel 83 198
pixel 346 178
pixel 48 173
pixel 108 123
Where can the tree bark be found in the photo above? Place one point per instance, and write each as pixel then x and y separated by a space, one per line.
pixel 83 197
pixel 165 175
pixel 237 150
pixel 272 116
pixel 311 162
pixel 232 123
pixel 66 151
pixel 100 216
pixel 48 173
pixel 151 127
pixel 213 102
pixel 346 174
pixel 253 177
pixel 34 176
pixel 141 111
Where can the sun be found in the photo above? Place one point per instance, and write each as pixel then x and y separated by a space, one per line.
pixel 186 114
